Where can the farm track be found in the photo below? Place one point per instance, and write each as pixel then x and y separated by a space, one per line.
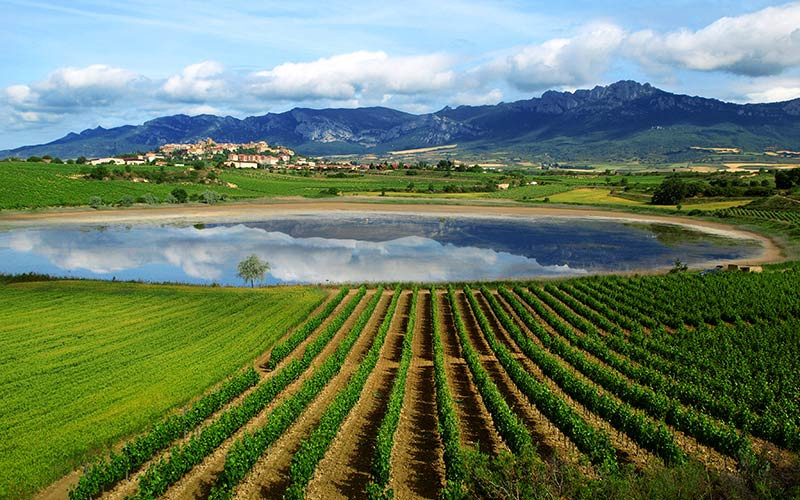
pixel 550 441
pixel 535 422
pixel 475 423
pixel 125 488
pixel 690 445
pixel 417 462
pixel 270 476
pixel 346 468
pixel 198 481
pixel 260 363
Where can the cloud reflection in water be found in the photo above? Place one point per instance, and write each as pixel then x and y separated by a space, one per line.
pixel 212 255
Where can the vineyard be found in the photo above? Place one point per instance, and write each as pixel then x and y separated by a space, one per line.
pixel 411 391
pixel 790 216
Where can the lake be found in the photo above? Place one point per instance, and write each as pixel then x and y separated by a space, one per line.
pixel 363 247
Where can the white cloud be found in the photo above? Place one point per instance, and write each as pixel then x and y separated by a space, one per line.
pixel 561 62
pixel 348 76
pixel 197 83
pixel 761 43
pixel 753 46
pixel 770 89
pixel 69 88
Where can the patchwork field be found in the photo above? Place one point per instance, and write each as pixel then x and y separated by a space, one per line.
pixel 693 381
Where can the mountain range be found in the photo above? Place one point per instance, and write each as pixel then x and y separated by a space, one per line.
pixel 622 120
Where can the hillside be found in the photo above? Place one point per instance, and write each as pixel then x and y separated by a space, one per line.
pixel 623 120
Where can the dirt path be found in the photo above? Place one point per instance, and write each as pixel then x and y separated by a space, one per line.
pixel 627 450
pixel 346 468
pixel 260 362
pixel 270 476
pixel 549 440
pixel 417 462
pixel 199 480
pixel 475 423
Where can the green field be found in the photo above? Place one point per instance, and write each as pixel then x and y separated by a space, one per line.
pixel 642 387
pixel 34 185
pixel 84 364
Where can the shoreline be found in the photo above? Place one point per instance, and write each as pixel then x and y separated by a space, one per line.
pixel 248 212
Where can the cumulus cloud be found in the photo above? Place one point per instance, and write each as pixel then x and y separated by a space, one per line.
pixel 196 83
pixel 770 89
pixel 355 74
pixel 765 42
pixel 561 62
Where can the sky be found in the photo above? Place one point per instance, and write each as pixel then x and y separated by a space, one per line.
pixel 66 66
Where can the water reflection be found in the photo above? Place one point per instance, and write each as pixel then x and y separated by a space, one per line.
pixel 211 255
pixel 311 250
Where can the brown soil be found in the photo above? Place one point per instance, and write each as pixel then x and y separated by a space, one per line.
pixel 627 450
pixel 270 476
pixel 704 453
pixel 198 482
pixel 417 463
pixel 476 426
pixel 260 363
pixel 346 468
pixel 549 440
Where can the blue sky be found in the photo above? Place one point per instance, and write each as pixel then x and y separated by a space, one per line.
pixel 71 65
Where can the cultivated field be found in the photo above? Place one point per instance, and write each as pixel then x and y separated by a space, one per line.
pixel 395 388
pixel 84 364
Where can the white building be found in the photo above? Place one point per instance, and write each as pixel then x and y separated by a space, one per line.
pixel 106 161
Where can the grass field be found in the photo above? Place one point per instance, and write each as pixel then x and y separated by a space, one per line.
pixel 592 196
pixel 83 364
pixel 34 185
pixel 625 384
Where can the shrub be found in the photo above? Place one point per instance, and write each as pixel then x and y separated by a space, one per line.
pixel 209 197
pixel 149 198
pixel 125 201
pixel 95 202
pixel 180 195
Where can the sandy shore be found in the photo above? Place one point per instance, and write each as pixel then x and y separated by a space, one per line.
pixel 242 212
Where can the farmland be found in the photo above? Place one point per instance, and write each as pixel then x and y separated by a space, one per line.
pixel 619 383
pixel 85 364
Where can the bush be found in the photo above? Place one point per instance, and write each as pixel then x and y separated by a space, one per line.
pixel 95 202
pixel 673 191
pixel 149 198
pixel 125 201
pixel 99 172
pixel 180 195
pixel 209 197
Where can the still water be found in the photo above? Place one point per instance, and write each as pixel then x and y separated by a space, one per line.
pixel 358 248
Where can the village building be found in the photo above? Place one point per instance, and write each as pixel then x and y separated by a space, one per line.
pixel 106 161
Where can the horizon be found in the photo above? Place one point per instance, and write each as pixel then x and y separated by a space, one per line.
pixel 178 58
pixel 446 106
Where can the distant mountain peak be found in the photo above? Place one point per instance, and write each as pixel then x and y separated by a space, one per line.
pixel 557 121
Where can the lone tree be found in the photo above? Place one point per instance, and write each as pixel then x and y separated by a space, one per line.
pixel 252 269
